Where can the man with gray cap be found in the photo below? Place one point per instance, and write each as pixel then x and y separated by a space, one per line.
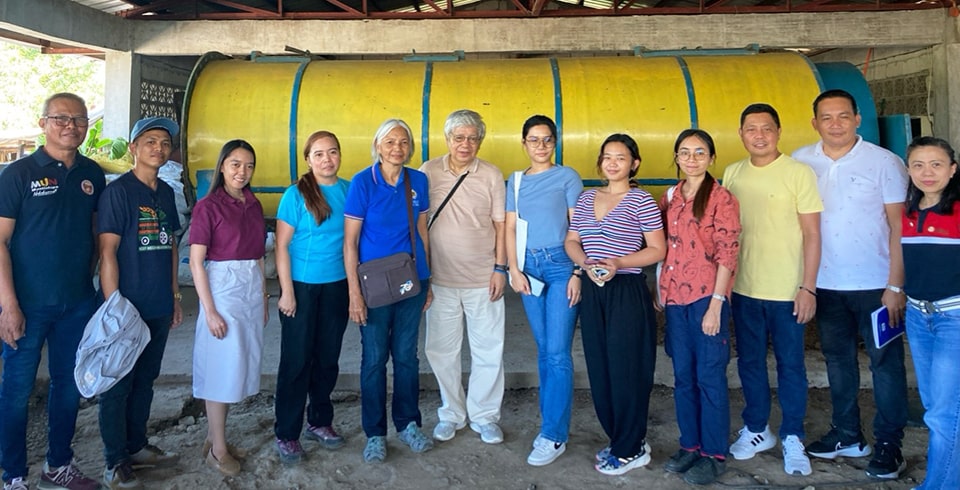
pixel 137 222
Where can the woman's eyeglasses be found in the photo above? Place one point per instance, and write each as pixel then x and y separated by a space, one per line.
pixel 548 141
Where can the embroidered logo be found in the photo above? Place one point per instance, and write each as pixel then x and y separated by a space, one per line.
pixel 44 187
pixel 87 187
pixel 406 287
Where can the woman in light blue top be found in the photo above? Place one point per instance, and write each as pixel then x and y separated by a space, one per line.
pixel 538 213
pixel 313 299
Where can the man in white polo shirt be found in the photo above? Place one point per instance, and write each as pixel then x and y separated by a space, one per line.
pixel 468 260
pixel 863 188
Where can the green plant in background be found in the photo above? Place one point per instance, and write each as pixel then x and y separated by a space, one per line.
pixel 113 149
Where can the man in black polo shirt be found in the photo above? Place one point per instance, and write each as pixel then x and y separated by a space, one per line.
pixel 47 205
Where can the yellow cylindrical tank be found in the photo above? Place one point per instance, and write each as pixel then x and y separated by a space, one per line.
pixel 275 103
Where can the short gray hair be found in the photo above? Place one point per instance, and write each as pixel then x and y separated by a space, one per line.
pixel 465 118
pixel 385 128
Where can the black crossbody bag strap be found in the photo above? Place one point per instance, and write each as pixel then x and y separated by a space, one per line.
pixel 413 239
pixel 446 199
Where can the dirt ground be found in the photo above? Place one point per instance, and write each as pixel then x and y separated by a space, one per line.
pixel 465 462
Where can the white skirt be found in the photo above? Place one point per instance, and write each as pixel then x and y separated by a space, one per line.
pixel 227 370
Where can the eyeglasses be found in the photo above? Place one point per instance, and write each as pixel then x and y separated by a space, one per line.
pixel 459 138
pixel 686 155
pixel 63 121
pixel 548 141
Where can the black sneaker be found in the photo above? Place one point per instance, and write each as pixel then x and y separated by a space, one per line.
pixel 705 471
pixel 832 445
pixel 887 463
pixel 681 461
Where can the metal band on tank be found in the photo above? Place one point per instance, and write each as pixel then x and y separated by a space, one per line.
pixel 425 112
pixel 294 114
pixel 691 93
pixel 557 108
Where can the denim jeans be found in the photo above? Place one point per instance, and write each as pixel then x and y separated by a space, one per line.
pixel 391 332
pixel 700 376
pixel 310 344
pixel 934 344
pixel 552 321
pixel 842 318
pixel 125 408
pixel 61 328
pixel 755 321
pixel 619 331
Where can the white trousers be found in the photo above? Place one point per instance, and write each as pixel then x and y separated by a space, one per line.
pixel 451 308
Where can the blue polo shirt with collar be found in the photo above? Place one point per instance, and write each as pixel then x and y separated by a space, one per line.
pixel 383 210
pixel 52 243
pixel 146 221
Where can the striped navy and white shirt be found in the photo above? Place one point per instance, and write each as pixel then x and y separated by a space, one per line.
pixel 621 231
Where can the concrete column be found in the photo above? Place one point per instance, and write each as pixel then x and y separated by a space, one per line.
pixel 121 93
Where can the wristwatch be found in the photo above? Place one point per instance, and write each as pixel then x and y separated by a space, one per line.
pixel 895 289
pixel 719 297
pixel 178 296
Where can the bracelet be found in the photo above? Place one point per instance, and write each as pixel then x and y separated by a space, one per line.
pixel 577 274
pixel 577 268
pixel 502 267
pixel 719 297
pixel 814 293
pixel 895 289
pixel 501 271
pixel 178 296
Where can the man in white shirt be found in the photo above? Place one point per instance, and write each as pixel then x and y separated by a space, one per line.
pixel 863 188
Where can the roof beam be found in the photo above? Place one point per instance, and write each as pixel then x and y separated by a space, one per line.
pixel 245 8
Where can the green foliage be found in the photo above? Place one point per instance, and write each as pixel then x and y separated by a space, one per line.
pixel 29 77
pixel 95 144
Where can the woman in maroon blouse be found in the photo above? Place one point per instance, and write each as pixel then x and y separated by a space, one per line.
pixel 227 236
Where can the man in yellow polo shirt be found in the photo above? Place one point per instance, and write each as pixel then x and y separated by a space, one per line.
pixel 774 295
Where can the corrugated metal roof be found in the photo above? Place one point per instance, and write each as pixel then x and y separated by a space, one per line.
pixel 108 6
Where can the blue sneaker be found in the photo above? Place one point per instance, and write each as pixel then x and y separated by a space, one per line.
pixel 413 437
pixel 376 450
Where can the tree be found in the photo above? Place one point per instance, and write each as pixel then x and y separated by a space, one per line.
pixel 29 77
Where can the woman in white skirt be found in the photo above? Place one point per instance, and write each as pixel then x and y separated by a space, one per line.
pixel 227 238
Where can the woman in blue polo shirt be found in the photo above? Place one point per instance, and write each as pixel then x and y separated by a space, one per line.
pixel 539 206
pixel 931 254
pixel 377 225
pixel 313 298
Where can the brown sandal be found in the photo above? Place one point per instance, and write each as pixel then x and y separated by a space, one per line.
pixel 226 465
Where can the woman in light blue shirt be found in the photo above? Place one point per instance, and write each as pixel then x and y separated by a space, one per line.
pixel 539 207
pixel 313 299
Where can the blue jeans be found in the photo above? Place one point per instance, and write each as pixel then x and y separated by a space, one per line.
pixel 700 376
pixel 391 332
pixel 755 321
pixel 552 321
pixel 934 343
pixel 842 318
pixel 61 328
pixel 310 344
pixel 125 408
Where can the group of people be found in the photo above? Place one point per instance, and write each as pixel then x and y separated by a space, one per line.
pixel 835 232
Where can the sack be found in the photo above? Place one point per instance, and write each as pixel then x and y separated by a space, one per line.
pixel 112 342
pixel 388 280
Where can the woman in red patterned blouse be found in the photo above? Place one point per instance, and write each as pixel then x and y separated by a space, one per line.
pixel 702 221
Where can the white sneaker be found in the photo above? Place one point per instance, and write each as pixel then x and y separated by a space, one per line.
pixel 545 451
pixel 16 484
pixel 444 431
pixel 489 433
pixel 748 444
pixel 795 460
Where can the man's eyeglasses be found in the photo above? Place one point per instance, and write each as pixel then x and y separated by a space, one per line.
pixel 686 155
pixel 459 138
pixel 548 141
pixel 63 121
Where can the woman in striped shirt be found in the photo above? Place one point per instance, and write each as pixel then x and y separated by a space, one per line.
pixel 617 230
